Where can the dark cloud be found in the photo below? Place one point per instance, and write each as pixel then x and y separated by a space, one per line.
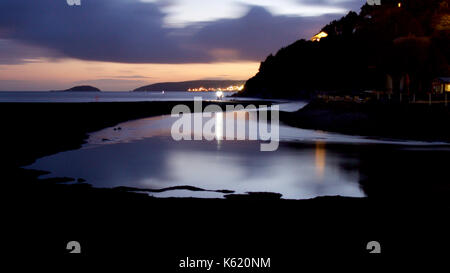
pixel 105 30
pixel 256 35
pixel 131 31
pixel 13 52
pixel 354 5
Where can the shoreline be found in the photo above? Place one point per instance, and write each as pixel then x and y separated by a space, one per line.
pixel 58 127
pixel 392 121
pixel 80 119
pixel 106 221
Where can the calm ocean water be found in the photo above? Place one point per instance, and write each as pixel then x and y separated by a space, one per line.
pixel 308 163
pixel 102 96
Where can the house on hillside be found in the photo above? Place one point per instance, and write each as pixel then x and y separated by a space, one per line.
pixel 441 85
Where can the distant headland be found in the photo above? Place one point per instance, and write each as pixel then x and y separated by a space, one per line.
pixel 83 88
pixel 201 85
pixel 80 88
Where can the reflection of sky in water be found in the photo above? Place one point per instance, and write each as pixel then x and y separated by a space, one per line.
pixel 36 96
pixel 142 154
pixel 157 163
pixel 161 126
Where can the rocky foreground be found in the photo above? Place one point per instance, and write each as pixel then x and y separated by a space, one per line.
pixel 159 232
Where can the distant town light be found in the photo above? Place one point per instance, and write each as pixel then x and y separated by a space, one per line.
pixel 318 36
pixel 399 5
pixel 232 88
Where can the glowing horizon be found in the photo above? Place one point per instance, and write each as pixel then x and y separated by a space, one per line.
pixel 46 75
pixel 119 45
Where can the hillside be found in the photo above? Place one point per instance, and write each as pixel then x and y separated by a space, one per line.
pixel 362 52
pixel 184 86
pixel 83 88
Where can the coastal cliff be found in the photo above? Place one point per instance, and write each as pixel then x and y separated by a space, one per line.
pixel 396 41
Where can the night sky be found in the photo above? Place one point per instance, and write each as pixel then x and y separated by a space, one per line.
pixel 121 44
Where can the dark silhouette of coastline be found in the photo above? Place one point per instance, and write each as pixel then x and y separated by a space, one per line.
pixel 184 86
pixel 128 223
pixel 83 88
pixel 190 188
pixel 377 119
pixel 384 48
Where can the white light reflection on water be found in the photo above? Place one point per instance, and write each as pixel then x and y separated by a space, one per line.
pixel 142 154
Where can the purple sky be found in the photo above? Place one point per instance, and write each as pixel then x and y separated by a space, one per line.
pixel 154 32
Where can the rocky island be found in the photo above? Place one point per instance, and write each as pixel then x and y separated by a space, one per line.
pixel 83 88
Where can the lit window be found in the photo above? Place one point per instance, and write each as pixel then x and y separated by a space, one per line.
pixel 319 36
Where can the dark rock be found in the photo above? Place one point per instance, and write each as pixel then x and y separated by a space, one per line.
pixel 84 88
pixel 255 196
